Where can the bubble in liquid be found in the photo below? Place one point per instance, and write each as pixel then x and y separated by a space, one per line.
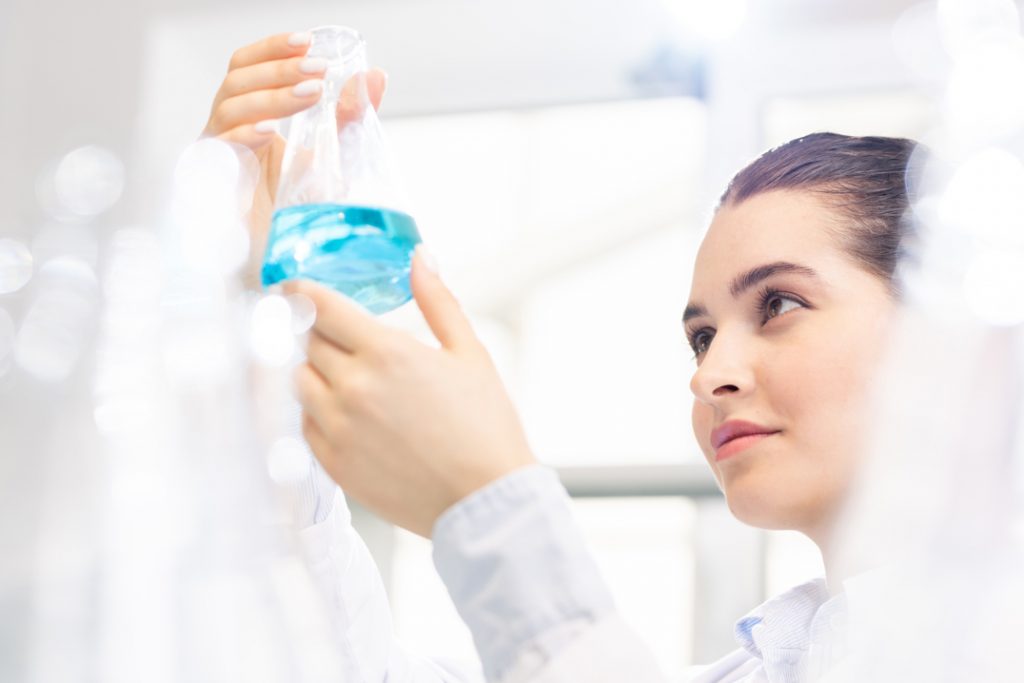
pixel 270 330
pixel 288 461
pixel 89 180
pixel 15 266
pixel 993 285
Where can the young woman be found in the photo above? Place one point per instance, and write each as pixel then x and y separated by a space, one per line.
pixel 793 292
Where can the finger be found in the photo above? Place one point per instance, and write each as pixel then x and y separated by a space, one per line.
pixel 332 362
pixel 376 84
pixel 252 136
pixel 313 393
pixel 351 104
pixel 269 75
pixel 340 319
pixel 316 439
pixel 279 46
pixel 440 308
pixel 261 105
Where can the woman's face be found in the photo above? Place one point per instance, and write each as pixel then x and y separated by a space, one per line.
pixel 787 330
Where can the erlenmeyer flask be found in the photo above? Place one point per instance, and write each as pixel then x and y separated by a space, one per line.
pixel 337 218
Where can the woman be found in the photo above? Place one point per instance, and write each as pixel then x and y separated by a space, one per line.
pixel 792 294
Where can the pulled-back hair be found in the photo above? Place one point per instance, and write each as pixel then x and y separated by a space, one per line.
pixel 864 178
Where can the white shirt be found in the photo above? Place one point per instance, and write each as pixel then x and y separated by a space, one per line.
pixel 523 580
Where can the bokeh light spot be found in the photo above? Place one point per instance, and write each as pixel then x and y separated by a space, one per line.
pixel 288 461
pixel 271 337
pixel 89 180
pixel 15 266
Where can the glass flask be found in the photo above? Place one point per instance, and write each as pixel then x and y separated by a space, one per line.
pixel 337 219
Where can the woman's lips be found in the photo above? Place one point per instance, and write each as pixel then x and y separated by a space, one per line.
pixel 738 444
pixel 736 435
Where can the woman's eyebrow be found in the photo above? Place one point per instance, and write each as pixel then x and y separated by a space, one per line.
pixel 693 311
pixel 745 281
pixel 748 279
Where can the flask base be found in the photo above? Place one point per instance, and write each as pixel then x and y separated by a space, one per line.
pixel 363 252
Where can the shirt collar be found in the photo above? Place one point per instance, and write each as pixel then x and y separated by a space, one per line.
pixel 783 622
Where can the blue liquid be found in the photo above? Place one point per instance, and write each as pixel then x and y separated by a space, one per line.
pixel 363 252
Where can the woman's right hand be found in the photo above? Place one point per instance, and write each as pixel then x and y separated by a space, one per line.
pixel 269 80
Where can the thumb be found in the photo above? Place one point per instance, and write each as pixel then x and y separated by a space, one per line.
pixel 440 308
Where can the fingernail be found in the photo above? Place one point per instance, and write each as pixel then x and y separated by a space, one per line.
pixel 313 65
pixel 300 38
pixel 268 126
pixel 428 259
pixel 307 88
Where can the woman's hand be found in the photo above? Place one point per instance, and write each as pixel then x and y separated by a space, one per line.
pixel 269 80
pixel 406 429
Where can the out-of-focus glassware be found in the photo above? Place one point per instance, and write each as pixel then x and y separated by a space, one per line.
pixel 337 218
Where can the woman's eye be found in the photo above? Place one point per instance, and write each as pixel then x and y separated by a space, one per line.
pixel 777 305
pixel 701 342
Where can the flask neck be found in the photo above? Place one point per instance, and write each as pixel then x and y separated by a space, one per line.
pixel 345 52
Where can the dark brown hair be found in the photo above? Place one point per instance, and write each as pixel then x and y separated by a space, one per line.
pixel 864 178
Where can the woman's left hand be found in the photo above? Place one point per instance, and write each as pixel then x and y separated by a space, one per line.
pixel 406 429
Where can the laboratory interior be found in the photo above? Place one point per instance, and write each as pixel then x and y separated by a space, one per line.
pixel 561 161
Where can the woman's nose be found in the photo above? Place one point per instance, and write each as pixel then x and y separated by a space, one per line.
pixel 725 372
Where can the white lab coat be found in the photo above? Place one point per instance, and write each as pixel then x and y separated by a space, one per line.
pixel 524 582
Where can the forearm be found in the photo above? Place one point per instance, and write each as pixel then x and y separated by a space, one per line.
pixel 527 586
pixel 354 593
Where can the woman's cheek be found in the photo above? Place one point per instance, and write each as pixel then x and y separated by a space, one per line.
pixel 701 417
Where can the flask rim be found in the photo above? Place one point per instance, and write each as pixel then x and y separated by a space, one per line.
pixel 355 46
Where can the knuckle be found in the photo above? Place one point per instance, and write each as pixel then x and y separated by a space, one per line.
pixel 231 83
pixel 389 350
pixel 218 122
pixel 357 386
pixel 301 377
pixel 235 61
pixel 286 69
pixel 335 434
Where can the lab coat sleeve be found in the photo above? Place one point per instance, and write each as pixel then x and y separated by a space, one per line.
pixel 357 604
pixel 523 580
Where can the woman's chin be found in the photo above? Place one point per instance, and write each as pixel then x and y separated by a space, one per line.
pixel 768 506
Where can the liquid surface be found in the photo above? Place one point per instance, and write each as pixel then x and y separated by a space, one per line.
pixel 363 252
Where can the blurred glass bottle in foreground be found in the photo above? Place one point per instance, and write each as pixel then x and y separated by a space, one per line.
pixel 337 219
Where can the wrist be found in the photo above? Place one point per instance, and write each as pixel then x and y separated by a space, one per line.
pixel 478 479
